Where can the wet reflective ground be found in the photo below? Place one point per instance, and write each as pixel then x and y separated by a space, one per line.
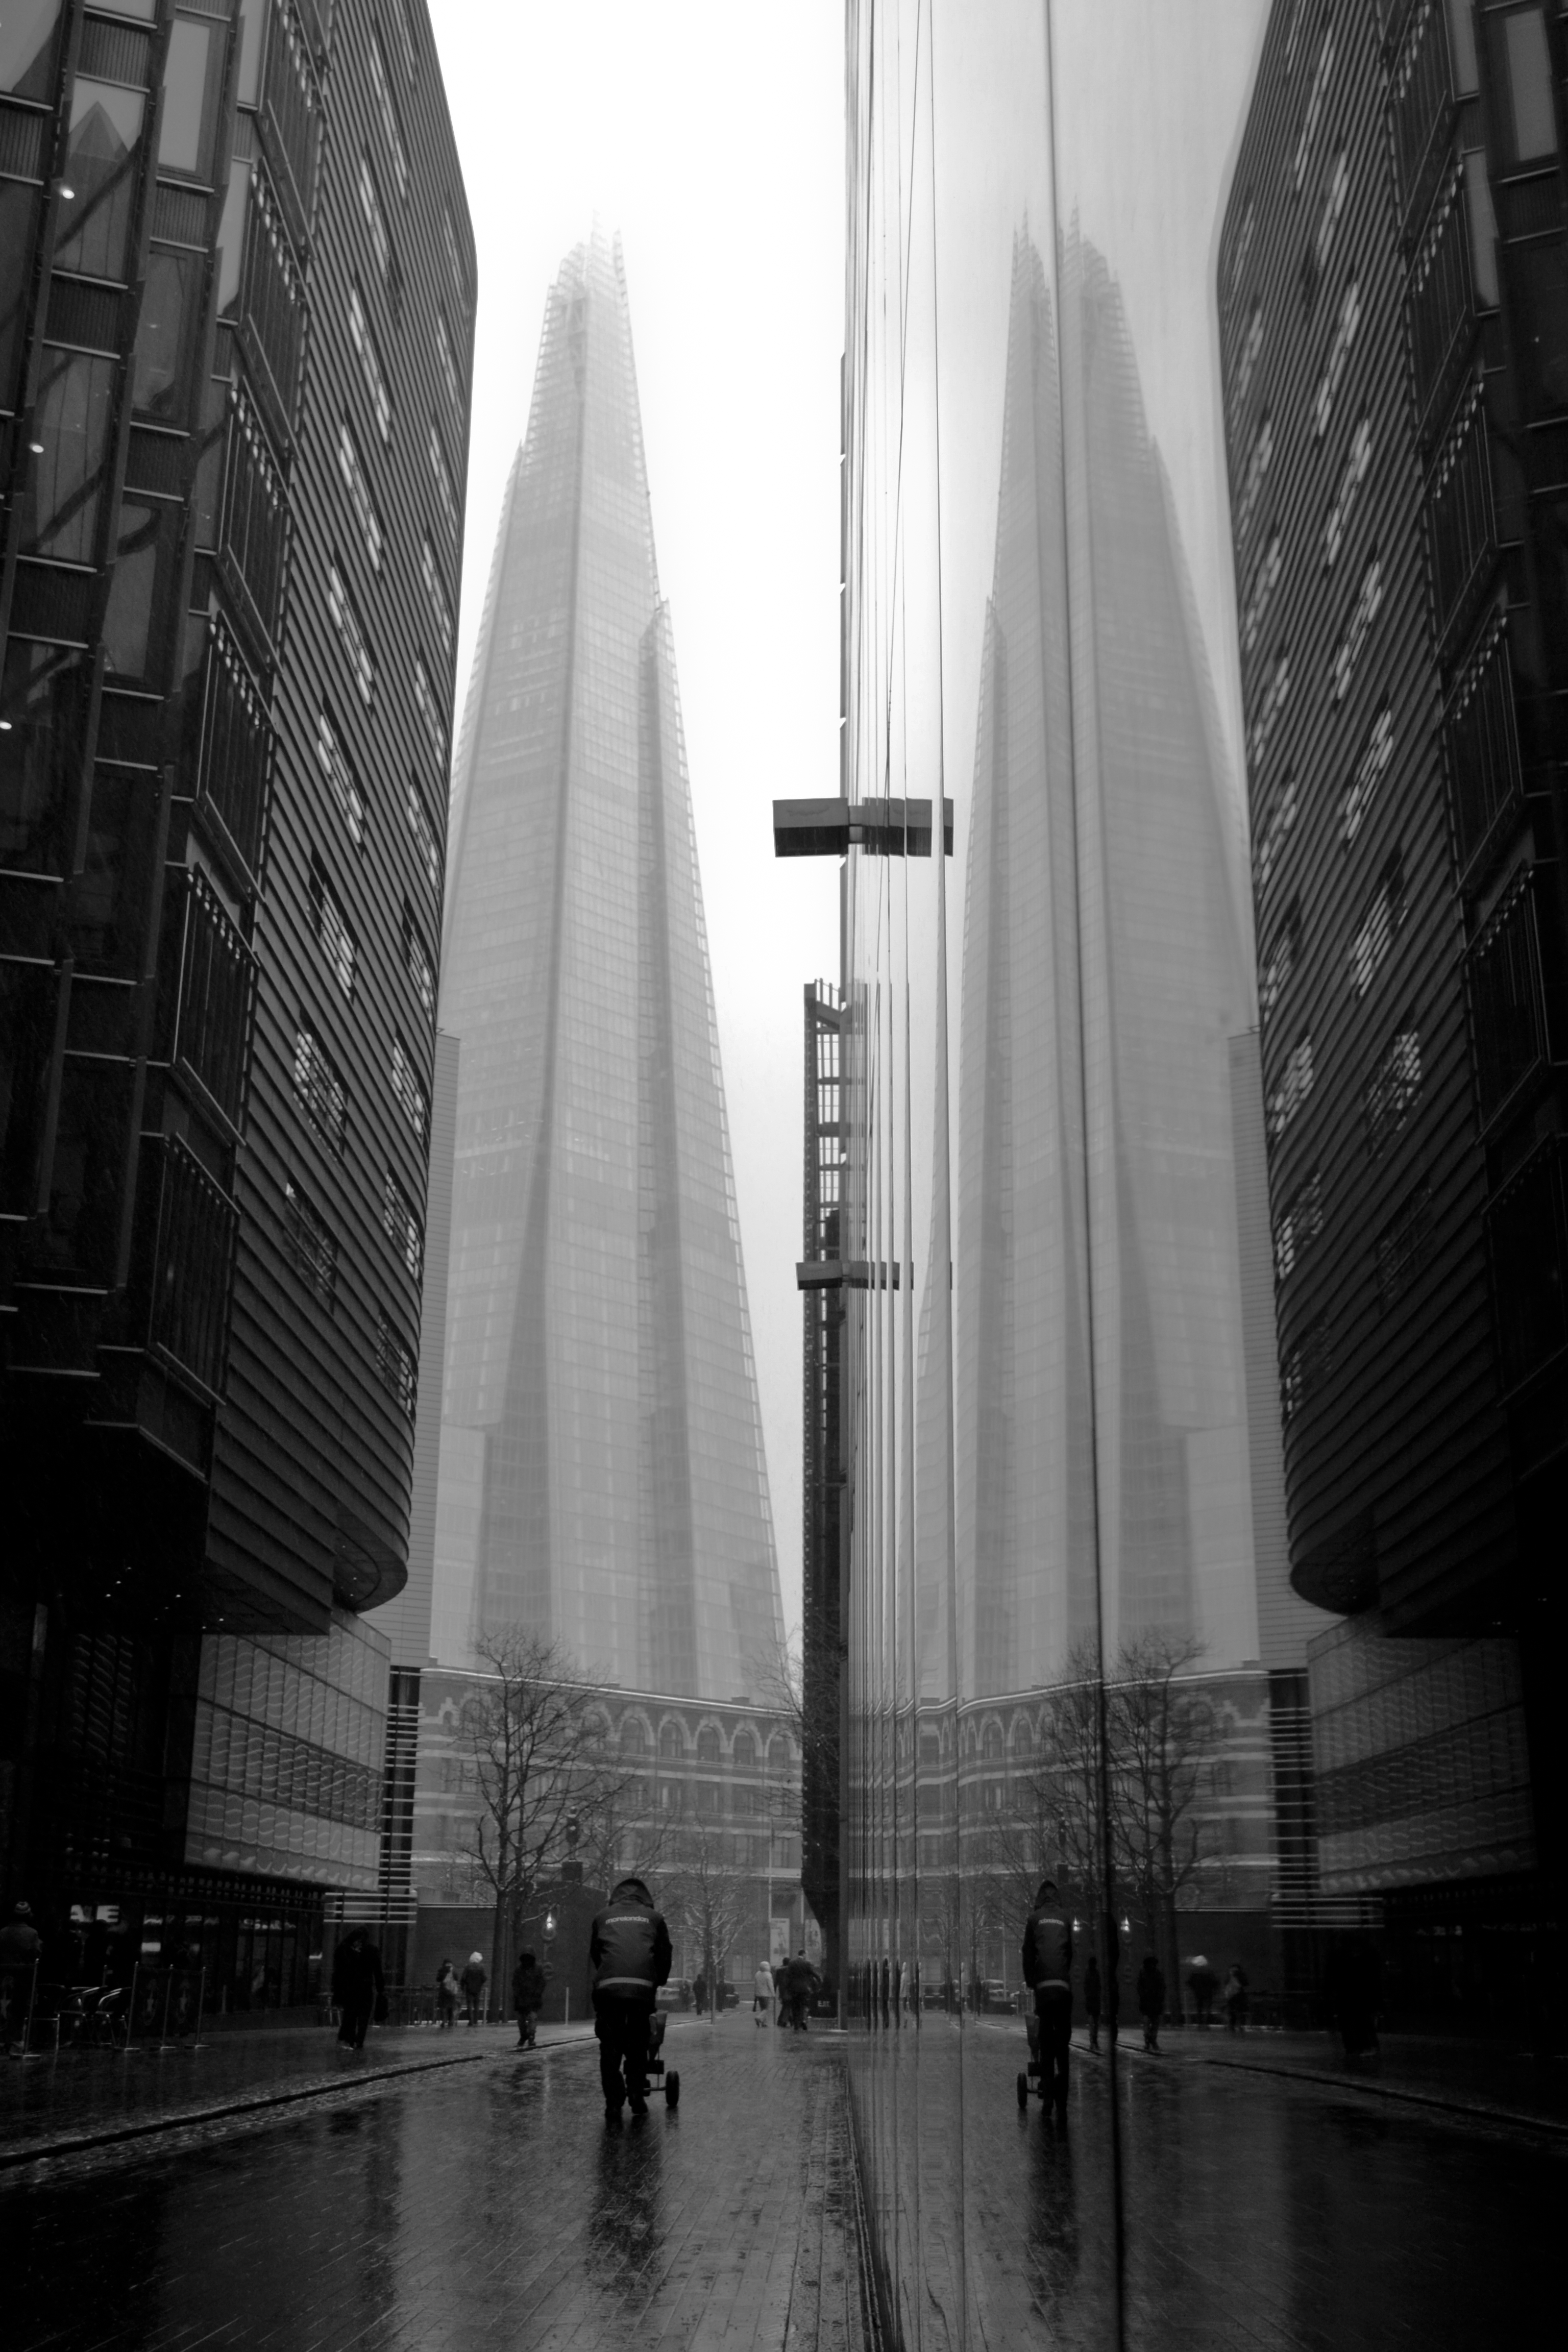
pixel 488 2205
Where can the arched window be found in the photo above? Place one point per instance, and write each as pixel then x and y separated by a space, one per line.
pixel 778 1753
pixel 634 1739
pixel 672 1747
pixel 1023 1739
pixel 993 1743
pixel 708 1745
pixel 745 1751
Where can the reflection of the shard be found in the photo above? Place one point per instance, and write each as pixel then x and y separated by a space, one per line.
pixel 625 2223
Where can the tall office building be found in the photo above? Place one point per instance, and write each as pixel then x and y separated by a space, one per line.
pixel 235 326
pixel 1393 320
pixel 602 1471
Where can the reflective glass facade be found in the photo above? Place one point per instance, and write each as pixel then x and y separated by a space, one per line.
pixel 602 1471
pixel 1065 1565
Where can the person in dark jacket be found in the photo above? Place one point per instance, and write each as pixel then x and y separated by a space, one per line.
pixel 800 1983
pixel 630 1950
pixel 21 1948
pixel 527 1999
pixel 472 1983
pixel 1092 1998
pixel 358 1988
pixel 1203 1984
pixel 1047 1971
pixel 1150 1989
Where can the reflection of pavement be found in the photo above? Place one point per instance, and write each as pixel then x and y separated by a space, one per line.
pixel 474 2204
pixel 84 2097
pixel 1258 2210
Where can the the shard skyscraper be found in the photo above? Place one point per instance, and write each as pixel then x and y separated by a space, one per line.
pixel 602 1470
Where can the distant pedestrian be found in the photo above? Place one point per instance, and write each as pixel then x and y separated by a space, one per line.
pixel 1047 1971
pixel 472 1983
pixel 1234 1999
pixel 628 1947
pixel 446 1995
pixel 1203 1984
pixel 699 1991
pixel 761 1992
pixel 359 1990
pixel 1092 1998
pixel 527 1999
pixel 801 1981
pixel 1150 1991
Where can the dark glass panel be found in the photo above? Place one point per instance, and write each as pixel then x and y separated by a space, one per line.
pixel 130 730
pixel 60 503
pixel 193 85
pixel 1521 84
pixel 273 307
pixel 102 1017
pixel 134 627
pixel 28 997
pixel 19 236
pixel 288 108
pixel 184 1275
pixel 100 171
pixel 235 744
pixel 1529 1226
pixel 1540 279
pixel 28 31
pixel 87 1177
pixel 45 699
pixel 171 307
pixel 109 902
pixel 215 995
pixel 254 513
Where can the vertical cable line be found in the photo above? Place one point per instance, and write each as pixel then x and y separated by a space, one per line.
pixel 1102 1756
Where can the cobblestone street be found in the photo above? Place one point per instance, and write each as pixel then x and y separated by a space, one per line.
pixel 485 2202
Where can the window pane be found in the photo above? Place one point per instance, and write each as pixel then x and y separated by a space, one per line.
pixel 1530 85
pixel 18 227
pixel 181 146
pixel 231 236
pixel 27 30
pixel 168 307
pixel 40 757
pixel 72 422
pixel 148 546
pixel 100 171
pixel 1539 274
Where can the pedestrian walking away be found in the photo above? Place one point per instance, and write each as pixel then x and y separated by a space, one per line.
pixel 761 1993
pixel 1047 1972
pixel 528 1982
pixel 1234 1999
pixel 629 1951
pixel 1150 1991
pixel 1092 1998
pixel 1203 1984
pixel 801 1982
pixel 359 1990
pixel 472 1984
pixel 446 1995
pixel 699 1991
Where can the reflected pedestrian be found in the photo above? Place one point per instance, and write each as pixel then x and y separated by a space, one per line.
pixel 1092 1998
pixel 1047 1971
pixel 446 1995
pixel 472 1983
pixel 1150 1991
pixel 359 1990
pixel 1234 1999
pixel 528 1981
pixel 1203 1984
pixel 629 1948
pixel 801 1981
pixel 761 1993
pixel 699 1991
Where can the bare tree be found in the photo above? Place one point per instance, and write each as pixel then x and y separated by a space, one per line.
pixel 706 1896
pixel 1165 1738
pixel 543 1775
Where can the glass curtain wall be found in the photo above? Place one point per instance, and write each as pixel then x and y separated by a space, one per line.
pixel 1054 1505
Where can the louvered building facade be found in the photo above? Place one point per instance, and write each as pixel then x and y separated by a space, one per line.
pixel 237 287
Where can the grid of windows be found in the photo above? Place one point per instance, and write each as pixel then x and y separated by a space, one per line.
pixel 1306 1367
pixel 408 1090
pixel 1297 1226
pixel 1264 581
pixel 402 1224
pixel 1348 652
pixel 351 632
pixel 376 220
pixel 1247 358
pixel 1295 1085
pixel 332 928
pixel 1335 194
pixel 1274 698
pixel 1275 831
pixel 320 1090
pixel 1257 460
pixel 1279 961
pixel 1382 917
pixel 1314 106
pixel 416 958
pixel 1393 1090
pixel 440 606
pixel 394 1364
pixel 447 498
pixel 424 832
pixel 356 482
pixel 1358 457
pixel 370 364
pixel 312 1248
pixel 449 375
pixel 382 87
pixel 1374 759
pixel 1404 1247
pixel 430 711
pixel 340 776
pixel 1339 351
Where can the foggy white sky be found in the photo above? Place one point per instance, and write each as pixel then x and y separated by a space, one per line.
pixel 709 132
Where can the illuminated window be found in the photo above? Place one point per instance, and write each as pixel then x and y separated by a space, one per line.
pixel 401 1224
pixel 370 364
pixel 340 776
pixel 351 467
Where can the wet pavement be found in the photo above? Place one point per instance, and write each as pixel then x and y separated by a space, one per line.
pixel 1497 2079
pixel 484 2202
pixel 477 2203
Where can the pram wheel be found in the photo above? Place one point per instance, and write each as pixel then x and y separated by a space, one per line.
pixel 672 2088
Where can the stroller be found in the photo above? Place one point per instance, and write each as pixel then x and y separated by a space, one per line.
pixel 1033 2076
pixel 671 2081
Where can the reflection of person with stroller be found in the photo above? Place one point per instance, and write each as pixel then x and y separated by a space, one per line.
pixel 1234 1999
pixel 801 1981
pixel 1151 1991
pixel 359 1990
pixel 1203 1984
pixel 1047 1971
pixel 528 1982
pixel 472 1984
